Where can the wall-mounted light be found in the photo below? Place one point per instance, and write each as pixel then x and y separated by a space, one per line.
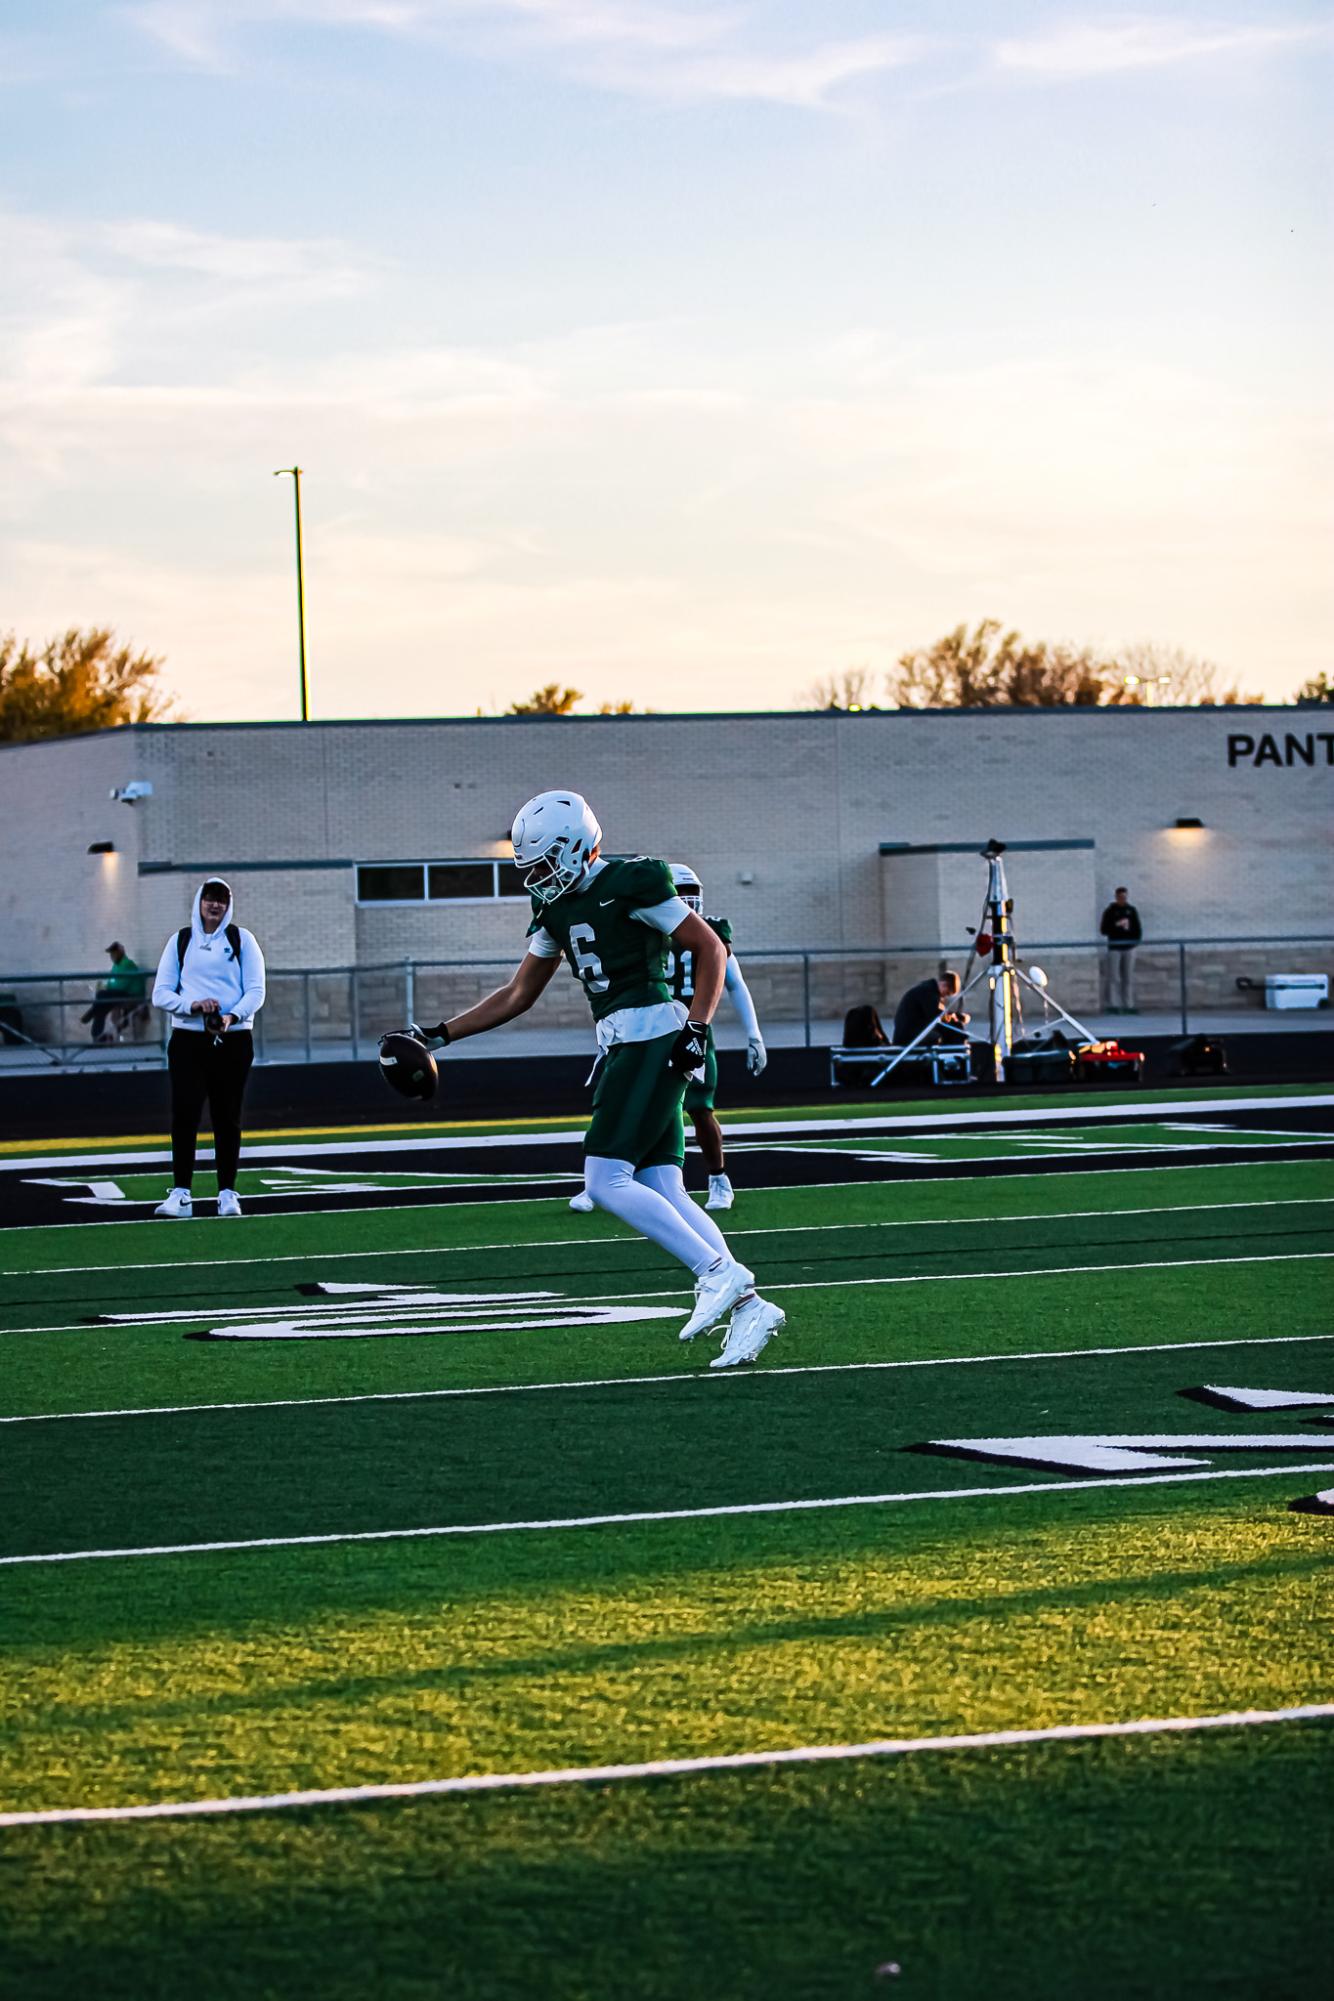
pixel 101 847
pixel 129 795
pixel 1188 826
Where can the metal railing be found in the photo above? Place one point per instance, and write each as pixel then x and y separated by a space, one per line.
pixel 322 1013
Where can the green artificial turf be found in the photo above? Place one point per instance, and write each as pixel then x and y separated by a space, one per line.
pixel 1120 1870
pixel 1163 1865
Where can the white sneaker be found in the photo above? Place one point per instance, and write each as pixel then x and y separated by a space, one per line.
pixel 753 1327
pixel 178 1205
pixel 583 1203
pixel 228 1205
pixel 720 1288
pixel 721 1193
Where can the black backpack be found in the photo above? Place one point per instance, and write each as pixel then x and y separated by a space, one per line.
pixel 862 1029
pixel 233 935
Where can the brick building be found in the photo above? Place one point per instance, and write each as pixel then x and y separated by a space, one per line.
pixel 371 843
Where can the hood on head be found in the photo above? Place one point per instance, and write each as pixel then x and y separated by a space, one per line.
pixel 207 940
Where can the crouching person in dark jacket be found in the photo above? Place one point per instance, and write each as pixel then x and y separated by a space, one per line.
pixel 210 980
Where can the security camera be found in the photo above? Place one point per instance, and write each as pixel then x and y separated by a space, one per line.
pixel 138 788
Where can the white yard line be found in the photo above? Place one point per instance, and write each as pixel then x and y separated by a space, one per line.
pixel 791 1285
pixel 1057 1148
pixel 676 1376
pixel 1263 1157
pixel 659 1768
pixel 1052 1486
pixel 889 1122
pixel 820 1284
pixel 772 1230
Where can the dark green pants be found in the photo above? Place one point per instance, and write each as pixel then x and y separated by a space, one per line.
pixel 637 1106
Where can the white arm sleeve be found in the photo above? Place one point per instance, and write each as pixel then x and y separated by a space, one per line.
pixel 665 917
pixel 736 986
pixel 543 946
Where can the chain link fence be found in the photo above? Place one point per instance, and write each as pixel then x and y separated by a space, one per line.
pixel 318 1014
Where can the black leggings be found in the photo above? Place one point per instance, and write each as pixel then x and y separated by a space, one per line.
pixel 200 1069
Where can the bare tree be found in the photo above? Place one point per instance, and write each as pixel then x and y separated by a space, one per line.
pixel 1169 677
pixel 990 668
pixel 1318 689
pixel 848 688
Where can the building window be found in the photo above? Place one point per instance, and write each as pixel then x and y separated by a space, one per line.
pixel 451 882
pixel 438 882
pixel 392 882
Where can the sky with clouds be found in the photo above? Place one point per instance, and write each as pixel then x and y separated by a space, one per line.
pixel 682 352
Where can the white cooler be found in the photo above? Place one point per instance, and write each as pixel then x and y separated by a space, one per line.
pixel 1288 990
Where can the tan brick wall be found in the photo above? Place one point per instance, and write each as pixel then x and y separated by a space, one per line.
pixel 797 803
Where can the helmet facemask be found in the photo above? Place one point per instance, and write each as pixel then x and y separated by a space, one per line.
pixel 688 886
pixel 557 870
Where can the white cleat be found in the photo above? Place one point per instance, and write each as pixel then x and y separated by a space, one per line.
pixel 753 1327
pixel 715 1293
pixel 583 1203
pixel 721 1192
pixel 228 1205
pixel 178 1206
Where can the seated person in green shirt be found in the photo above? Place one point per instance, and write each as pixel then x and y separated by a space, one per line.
pixel 123 987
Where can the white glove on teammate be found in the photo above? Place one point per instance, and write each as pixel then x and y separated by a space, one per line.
pixel 756 1056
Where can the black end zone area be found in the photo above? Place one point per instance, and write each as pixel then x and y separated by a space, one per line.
pixel 500 1173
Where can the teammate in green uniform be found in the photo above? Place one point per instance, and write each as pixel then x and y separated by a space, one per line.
pixel 612 921
pixel 700 1092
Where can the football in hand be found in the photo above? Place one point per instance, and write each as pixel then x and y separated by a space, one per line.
pixel 408 1066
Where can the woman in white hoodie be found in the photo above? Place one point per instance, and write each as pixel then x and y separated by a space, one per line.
pixel 210 980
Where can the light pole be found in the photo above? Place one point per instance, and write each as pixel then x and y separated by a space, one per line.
pixel 295 472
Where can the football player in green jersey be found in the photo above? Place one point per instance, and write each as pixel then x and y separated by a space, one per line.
pixel 612 921
pixel 700 1091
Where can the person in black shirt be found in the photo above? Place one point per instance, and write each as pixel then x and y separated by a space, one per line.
pixel 1121 928
pixel 930 1000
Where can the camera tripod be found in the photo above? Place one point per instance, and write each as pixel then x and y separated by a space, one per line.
pixel 993 949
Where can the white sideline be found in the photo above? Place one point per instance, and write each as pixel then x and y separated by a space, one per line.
pixel 661 1768
pixel 672 1514
pixel 770 1230
pixel 1072 1164
pixel 816 1285
pixel 573 1134
pixel 675 1376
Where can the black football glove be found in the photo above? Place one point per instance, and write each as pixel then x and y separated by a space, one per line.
pixel 690 1048
pixel 438 1034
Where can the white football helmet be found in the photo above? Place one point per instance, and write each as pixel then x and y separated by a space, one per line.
pixel 553 836
pixel 688 885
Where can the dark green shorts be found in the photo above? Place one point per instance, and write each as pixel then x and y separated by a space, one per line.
pixel 700 1096
pixel 637 1106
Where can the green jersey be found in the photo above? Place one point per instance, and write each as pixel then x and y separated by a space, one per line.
pixel 125 978
pixel 619 960
pixel 681 966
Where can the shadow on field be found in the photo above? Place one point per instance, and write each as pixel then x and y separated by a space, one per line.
pixel 1153 1867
